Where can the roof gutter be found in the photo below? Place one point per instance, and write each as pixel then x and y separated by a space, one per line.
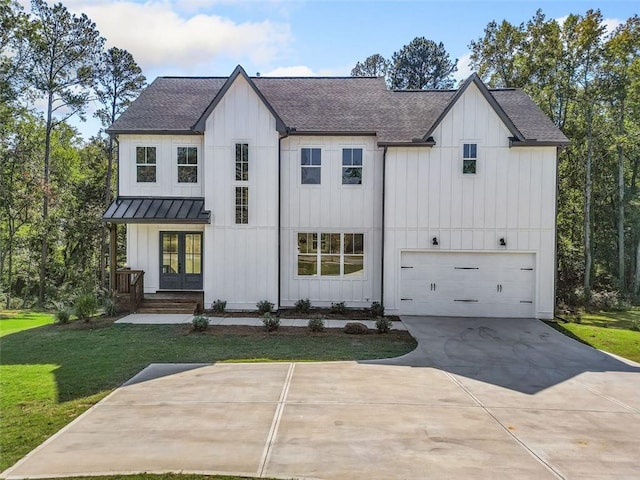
pixel 514 142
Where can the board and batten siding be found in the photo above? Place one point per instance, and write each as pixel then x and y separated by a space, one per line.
pixel 143 249
pixel 166 184
pixel 331 207
pixel 241 261
pixel 512 196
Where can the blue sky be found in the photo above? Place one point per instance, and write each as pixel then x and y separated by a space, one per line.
pixel 302 37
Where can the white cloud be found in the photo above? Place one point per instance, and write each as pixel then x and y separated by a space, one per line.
pixel 464 67
pixel 160 37
pixel 294 71
pixel 305 71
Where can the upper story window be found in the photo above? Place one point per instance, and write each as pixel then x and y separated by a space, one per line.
pixel 352 166
pixel 145 164
pixel 310 166
pixel 469 157
pixel 242 162
pixel 187 165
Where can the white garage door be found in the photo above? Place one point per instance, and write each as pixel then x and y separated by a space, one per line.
pixel 467 284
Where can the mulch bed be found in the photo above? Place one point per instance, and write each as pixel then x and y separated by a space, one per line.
pixel 350 314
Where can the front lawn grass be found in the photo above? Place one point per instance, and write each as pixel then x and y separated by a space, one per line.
pixel 612 332
pixel 50 374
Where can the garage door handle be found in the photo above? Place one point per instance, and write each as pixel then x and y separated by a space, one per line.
pixel 498 288
pixel 466 300
pixel 432 287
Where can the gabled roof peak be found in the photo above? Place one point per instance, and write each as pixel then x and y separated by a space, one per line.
pixel 477 81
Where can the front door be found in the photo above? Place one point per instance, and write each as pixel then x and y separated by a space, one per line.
pixel 181 260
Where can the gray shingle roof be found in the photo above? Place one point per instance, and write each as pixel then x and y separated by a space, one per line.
pixel 324 105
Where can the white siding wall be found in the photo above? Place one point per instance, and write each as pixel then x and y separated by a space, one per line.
pixel 512 195
pixel 143 250
pixel 331 208
pixel 241 261
pixel 166 184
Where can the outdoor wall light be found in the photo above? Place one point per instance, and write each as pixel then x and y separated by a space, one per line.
pixel 503 242
pixel 434 241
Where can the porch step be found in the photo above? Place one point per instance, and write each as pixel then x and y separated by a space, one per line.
pixel 171 302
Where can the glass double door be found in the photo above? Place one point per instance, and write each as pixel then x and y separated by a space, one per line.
pixel 181 260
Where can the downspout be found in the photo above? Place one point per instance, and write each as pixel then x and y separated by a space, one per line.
pixel 282 137
pixel 384 172
pixel 555 233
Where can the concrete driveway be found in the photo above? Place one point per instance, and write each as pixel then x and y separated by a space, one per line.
pixel 479 398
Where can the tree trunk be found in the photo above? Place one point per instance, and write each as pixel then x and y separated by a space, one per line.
pixel 621 273
pixel 636 280
pixel 45 204
pixel 104 250
pixel 587 214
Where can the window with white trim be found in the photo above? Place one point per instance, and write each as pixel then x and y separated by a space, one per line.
pixel 242 162
pixel 146 164
pixel 469 158
pixel 352 166
pixel 187 164
pixel 330 254
pixel 242 205
pixel 310 166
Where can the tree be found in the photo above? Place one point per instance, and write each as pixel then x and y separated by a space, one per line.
pixel 374 66
pixel 497 57
pixel 622 50
pixel 422 64
pixel 118 83
pixel 63 53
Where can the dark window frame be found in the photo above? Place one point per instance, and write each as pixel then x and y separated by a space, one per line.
pixel 188 164
pixel 310 166
pixel 352 165
pixel 469 158
pixel 144 163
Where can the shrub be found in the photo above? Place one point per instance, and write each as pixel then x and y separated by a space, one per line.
pixel 303 305
pixel 200 323
pixel 383 324
pixel 63 315
pixel 219 306
pixel 635 326
pixel 607 300
pixel 338 307
pixel 86 306
pixel 270 322
pixel 356 328
pixel 316 323
pixel 110 307
pixel 377 310
pixel 264 306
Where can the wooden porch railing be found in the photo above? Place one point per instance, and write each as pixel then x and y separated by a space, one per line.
pixel 131 282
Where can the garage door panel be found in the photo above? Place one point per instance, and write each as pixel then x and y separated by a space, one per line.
pixel 467 284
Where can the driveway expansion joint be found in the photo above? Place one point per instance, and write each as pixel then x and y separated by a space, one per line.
pixel 547 465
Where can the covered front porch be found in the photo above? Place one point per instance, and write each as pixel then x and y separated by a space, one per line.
pixel 164 253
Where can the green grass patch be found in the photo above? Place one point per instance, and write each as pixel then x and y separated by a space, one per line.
pixel 50 374
pixel 613 332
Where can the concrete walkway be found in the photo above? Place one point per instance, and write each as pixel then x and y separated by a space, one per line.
pixel 481 399
pixel 167 318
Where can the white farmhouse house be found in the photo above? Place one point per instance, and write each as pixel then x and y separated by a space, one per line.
pixel 340 190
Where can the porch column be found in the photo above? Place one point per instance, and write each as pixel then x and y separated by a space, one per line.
pixel 113 254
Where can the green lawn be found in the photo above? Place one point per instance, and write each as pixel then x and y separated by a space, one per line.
pixel 50 374
pixel 609 331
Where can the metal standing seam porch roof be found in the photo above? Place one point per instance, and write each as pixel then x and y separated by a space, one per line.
pixel 157 210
